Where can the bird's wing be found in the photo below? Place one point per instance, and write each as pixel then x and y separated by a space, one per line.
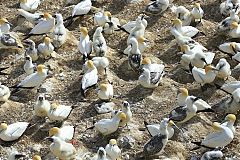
pixel 178 114
pixel 89 79
pixel 42 27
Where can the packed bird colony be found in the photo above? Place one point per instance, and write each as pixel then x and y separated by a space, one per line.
pixel 111 79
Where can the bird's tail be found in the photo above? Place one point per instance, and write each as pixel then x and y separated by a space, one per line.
pixel 220 87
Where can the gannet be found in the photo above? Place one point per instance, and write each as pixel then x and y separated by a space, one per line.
pixel 42 106
pixel 182 114
pixel 157 6
pixel 199 103
pixel 62 149
pixel 4 93
pixel 142 45
pixel 100 18
pixel 137 31
pixel 105 91
pixel 154 129
pixel 129 26
pixel 46 48
pixel 158 142
pixel 112 25
pixel 134 55
pixel 230 87
pixel 223 67
pixel 220 138
pixel 197 12
pixel 99 43
pixel 59 32
pixel 204 76
pixel 224 25
pixel 43 27
pixel 82 8
pixel 28 66
pixel 90 78
pixel 112 150
pixel 185 30
pixel 127 110
pixel 108 126
pixel 31 50
pixel 5 26
pixel 65 133
pixel 30 5
pixel 152 73
pixel 183 14
pixel 33 18
pixel 234 30
pixel 35 79
pixel 85 44
pixel 210 155
pixel 59 112
pixel 13 131
pixel 229 47
pixel 229 122
pixel 10 41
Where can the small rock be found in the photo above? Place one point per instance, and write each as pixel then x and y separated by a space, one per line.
pixel 126 142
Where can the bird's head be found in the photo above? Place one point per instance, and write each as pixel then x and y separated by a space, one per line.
pixel 197 5
pixel 54 106
pixel 53 131
pixel 3 21
pixel 107 13
pixel 210 68
pixel 141 40
pixel 121 115
pixel 84 31
pixel 230 117
pixel 234 25
pixel 40 68
pixel 36 157
pixel 47 40
pixel 146 60
pixel 184 48
pixel 216 126
pixel 23 1
pixel 233 45
pixel 176 21
pixel 3 126
pixel 47 15
pixel 103 87
pixel 171 123
pixel 184 91
pixel 113 142
pixel 90 64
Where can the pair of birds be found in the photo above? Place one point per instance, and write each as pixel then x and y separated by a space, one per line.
pixel 187 17
pixel 54 111
pixel 44 49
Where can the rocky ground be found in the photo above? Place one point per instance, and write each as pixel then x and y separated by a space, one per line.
pixel 147 104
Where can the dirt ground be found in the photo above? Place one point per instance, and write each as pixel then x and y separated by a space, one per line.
pixel 147 104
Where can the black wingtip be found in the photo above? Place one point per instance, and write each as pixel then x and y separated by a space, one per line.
pixel 122 29
pixel 190 67
pixel 197 143
pixel 206 110
pixel 90 128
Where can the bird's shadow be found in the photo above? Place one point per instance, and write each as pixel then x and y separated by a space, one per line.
pixel 138 93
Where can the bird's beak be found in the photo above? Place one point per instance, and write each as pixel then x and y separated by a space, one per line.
pixel 146 40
